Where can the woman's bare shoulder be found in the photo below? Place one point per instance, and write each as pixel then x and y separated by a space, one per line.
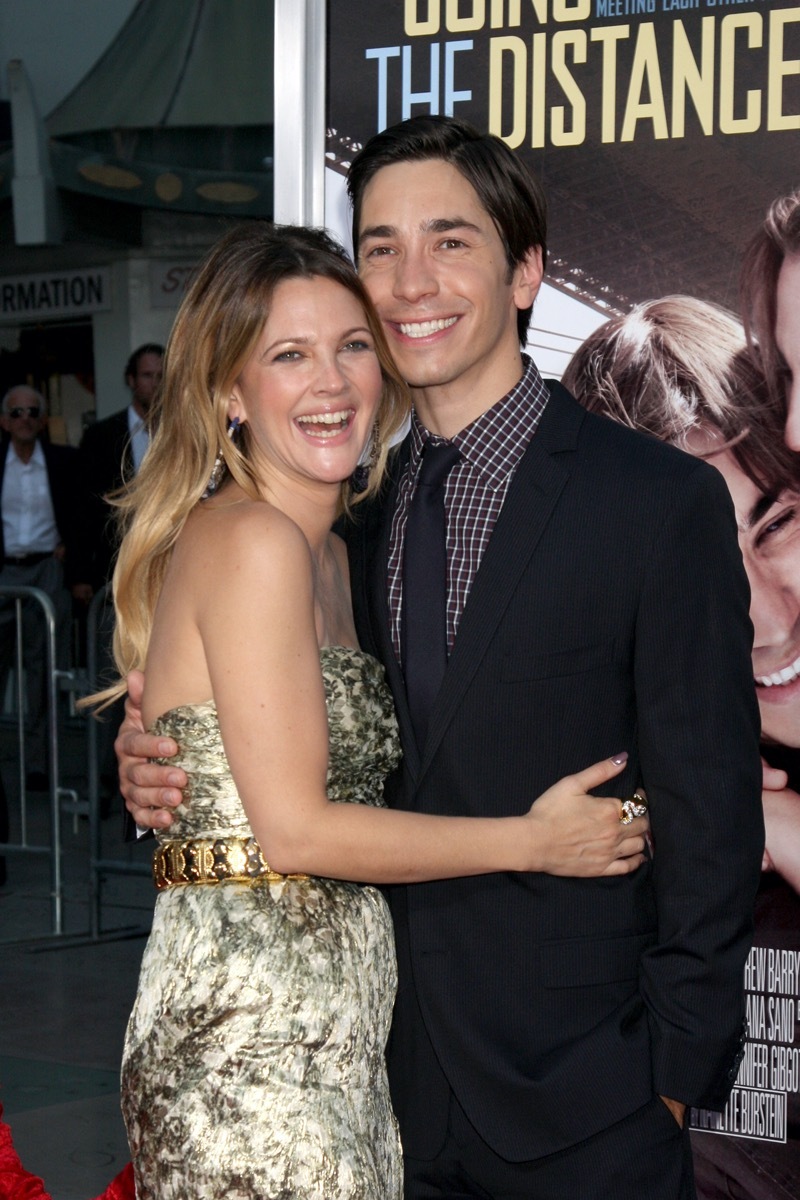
pixel 245 534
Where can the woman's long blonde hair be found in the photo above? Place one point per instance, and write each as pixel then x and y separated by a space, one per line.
pixel 215 331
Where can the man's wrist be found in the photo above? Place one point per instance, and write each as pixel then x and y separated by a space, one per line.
pixel 677 1108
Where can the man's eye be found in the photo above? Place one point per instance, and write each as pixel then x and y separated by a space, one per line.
pixel 777 526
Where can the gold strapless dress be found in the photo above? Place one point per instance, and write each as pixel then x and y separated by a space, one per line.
pixel 254 1056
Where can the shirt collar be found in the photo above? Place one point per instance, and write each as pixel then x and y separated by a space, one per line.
pixel 135 422
pixel 496 440
pixel 37 456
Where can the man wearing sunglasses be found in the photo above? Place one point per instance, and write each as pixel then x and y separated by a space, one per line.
pixel 39 513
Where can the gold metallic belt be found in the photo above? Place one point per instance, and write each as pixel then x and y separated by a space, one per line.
pixel 213 860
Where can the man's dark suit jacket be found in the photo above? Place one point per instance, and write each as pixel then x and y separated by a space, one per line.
pixel 66 494
pixel 610 613
pixel 105 464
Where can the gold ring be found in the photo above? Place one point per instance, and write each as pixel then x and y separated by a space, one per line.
pixel 634 806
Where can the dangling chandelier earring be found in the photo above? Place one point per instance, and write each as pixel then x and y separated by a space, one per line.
pixel 368 461
pixel 374 446
pixel 218 470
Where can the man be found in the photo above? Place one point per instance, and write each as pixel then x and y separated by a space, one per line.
pixel 111 451
pixel 40 504
pixel 548 1031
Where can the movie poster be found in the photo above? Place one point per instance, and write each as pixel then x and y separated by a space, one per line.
pixel 661 131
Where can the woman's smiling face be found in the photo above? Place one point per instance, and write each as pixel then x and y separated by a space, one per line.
pixel 310 390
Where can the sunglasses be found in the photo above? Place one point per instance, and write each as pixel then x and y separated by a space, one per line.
pixel 16 413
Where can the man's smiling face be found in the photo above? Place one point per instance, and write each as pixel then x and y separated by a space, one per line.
pixel 435 267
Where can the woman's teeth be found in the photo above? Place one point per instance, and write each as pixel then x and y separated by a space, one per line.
pixel 328 424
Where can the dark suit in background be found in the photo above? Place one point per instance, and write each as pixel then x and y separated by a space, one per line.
pixel 108 458
pixel 610 612
pixel 105 464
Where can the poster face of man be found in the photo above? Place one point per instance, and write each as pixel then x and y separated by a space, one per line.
pixel 769 536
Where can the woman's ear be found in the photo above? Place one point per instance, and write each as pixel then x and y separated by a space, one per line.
pixel 236 407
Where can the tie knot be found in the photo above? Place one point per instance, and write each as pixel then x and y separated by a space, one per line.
pixel 438 459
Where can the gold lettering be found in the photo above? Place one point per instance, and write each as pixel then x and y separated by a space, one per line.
pixel 516 48
pixel 779 68
pixel 645 71
pixel 571 10
pixel 415 27
pixel 497 18
pixel 540 10
pixel 577 41
pixel 728 122
pixel 688 77
pixel 458 24
pixel 609 35
pixel 538 90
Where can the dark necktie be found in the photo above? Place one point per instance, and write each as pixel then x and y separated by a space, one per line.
pixel 425 586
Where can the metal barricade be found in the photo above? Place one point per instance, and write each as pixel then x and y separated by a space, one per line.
pixel 52 674
pixel 98 865
pixel 62 801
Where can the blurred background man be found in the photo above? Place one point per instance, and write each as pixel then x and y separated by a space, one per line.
pixel 111 451
pixel 40 505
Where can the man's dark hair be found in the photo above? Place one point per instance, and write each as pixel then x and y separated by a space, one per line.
pixel 132 365
pixel 506 189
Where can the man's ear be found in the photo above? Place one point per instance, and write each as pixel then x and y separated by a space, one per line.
pixel 528 278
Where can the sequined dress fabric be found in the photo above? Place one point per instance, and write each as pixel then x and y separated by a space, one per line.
pixel 254 1056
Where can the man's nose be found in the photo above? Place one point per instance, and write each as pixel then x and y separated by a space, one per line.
pixel 415 276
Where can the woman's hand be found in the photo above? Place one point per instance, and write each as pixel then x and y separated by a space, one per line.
pixel 150 791
pixel 581 835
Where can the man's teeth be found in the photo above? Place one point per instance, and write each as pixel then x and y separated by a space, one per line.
pixel 335 422
pixel 787 675
pixel 420 329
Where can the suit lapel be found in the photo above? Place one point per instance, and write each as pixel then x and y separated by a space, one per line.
pixel 532 497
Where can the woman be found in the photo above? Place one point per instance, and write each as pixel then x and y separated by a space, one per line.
pixel 254 1056
pixel 770 295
